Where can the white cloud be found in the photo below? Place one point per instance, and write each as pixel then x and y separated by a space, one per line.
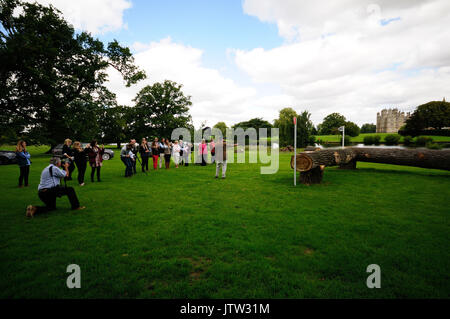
pixel 95 16
pixel 338 56
pixel 215 98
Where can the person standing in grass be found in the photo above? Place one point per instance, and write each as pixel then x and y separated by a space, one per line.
pixel 125 158
pixel 212 147
pixel 23 160
pixel 134 149
pixel 155 152
pixel 167 152
pixel 67 153
pixel 186 153
pixel 203 152
pixel 95 154
pixel 221 157
pixel 162 144
pixel 176 149
pixel 145 151
pixel 80 158
pixel 49 189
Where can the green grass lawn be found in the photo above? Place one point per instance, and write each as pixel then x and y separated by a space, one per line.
pixel 180 233
pixel 360 138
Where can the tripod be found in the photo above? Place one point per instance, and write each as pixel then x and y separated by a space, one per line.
pixel 137 157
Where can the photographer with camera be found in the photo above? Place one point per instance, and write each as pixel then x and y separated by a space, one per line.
pixel 49 188
pixel 126 159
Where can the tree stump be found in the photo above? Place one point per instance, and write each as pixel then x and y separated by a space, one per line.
pixel 313 176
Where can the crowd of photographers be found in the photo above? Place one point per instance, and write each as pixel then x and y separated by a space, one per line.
pixel 75 156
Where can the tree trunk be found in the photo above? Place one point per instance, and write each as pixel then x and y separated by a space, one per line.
pixel 313 176
pixel 308 162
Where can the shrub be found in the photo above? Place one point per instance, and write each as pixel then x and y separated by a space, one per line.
pixel 376 139
pixel 407 140
pixel 320 142
pixel 312 140
pixel 423 140
pixel 392 139
pixel 368 140
pixel 433 146
pixel 346 140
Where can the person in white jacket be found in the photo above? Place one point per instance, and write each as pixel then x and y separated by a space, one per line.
pixel 176 153
pixel 187 153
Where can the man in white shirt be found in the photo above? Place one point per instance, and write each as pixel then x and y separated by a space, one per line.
pixel 49 188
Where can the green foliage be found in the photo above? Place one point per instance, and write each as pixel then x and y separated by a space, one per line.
pixel 423 140
pixel 376 139
pixel 408 140
pixel 312 140
pixel 347 140
pixel 331 123
pixel 160 108
pixel 286 127
pixel 51 78
pixel 435 114
pixel 255 123
pixel 368 128
pixel 392 139
pixel 433 146
pixel 222 127
pixel 368 140
pixel 351 129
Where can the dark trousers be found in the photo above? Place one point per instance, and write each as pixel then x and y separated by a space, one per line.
pixel 204 157
pixel 128 166
pixel 144 163
pixel 81 171
pixel 71 169
pixel 24 173
pixel 134 166
pixel 167 160
pixel 93 172
pixel 49 195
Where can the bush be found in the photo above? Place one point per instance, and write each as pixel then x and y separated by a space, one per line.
pixel 433 146
pixel 312 140
pixel 376 139
pixel 407 140
pixel 369 140
pixel 346 140
pixel 320 142
pixel 392 139
pixel 423 140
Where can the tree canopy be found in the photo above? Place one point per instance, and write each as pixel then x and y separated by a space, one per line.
pixel 222 127
pixel 368 128
pixel 51 78
pixel 160 108
pixel 434 114
pixel 331 123
pixel 285 124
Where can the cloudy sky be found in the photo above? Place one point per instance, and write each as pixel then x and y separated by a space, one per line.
pixel 244 59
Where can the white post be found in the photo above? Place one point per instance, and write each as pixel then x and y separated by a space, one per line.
pixel 343 136
pixel 295 151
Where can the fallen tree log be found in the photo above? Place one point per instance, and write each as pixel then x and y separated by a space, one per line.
pixel 346 158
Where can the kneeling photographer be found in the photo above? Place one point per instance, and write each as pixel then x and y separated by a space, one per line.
pixel 49 189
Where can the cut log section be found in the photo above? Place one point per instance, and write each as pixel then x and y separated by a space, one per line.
pixel 346 158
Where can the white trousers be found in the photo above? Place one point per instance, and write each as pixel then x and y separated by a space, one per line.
pixel 161 158
pixel 224 168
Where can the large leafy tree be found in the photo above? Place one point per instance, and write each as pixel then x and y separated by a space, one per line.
pixel 255 123
pixel 160 108
pixel 113 124
pixel 331 123
pixel 52 78
pixel 285 124
pixel 351 129
pixel 434 114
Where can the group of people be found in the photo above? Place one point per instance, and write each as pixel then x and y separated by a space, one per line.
pixel 165 150
pixel 75 155
pixel 78 156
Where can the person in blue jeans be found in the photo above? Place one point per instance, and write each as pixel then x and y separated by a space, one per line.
pixel 125 157
pixel 23 160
